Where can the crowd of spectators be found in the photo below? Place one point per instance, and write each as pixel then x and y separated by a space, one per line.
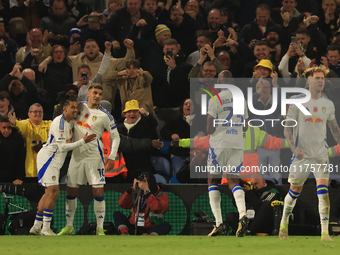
pixel 147 50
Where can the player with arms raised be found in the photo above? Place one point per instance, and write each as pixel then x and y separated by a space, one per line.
pixel 51 158
pixel 87 162
pixel 307 141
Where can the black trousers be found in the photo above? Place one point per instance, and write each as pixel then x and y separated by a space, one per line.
pixel 120 219
pixel 262 223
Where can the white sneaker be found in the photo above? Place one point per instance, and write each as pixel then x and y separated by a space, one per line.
pixel 35 232
pixel 48 232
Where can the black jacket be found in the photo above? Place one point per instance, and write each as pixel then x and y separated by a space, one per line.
pixel 268 193
pixel 58 25
pixel 185 34
pixel 24 100
pixel 119 26
pixel 181 127
pixel 12 157
pixel 252 31
pixel 57 76
pixel 171 93
pixel 145 128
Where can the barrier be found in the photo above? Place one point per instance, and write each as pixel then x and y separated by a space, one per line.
pixel 184 199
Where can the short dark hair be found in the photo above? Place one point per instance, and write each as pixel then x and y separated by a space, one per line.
pixel 263 7
pixel 303 31
pixel 171 41
pixel 4 119
pixel 95 86
pixel 4 95
pixel 260 43
pixel 84 66
pixel 69 87
pixel 333 47
pixel 65 98
pixel 58 1
pixel 90 40
pixel 207 34
pixel 134 63
pixel 209 63
pixel 173 8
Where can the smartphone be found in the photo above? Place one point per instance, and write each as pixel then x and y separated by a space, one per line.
pixel 93 18
pixel 75 40
pixel 84 76
pixel 169 53
pixel 294 40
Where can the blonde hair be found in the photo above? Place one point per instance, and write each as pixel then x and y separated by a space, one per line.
pixel 315 69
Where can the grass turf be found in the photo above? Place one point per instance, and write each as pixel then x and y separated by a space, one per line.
pixel 140 245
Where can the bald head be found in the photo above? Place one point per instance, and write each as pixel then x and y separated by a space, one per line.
pixel 36 37
pixel 258 181
pixel 29 74
pixel 214 19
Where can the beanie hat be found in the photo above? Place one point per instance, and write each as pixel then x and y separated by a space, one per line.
pixel 160 30
pixel 74 31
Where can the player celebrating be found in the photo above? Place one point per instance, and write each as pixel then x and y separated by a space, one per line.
pixel 226 147
pixel 307 141
pixel 87 162
pixel 51 158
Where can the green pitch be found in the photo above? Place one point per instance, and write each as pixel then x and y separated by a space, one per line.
pixel 140 245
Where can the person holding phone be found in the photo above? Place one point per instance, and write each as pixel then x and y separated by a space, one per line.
pixel 170 85
pixel 205 52
pixel 85 74
pixel 92 27
pixel 75 41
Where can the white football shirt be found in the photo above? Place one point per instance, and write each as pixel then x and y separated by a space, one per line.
pixel 310 132
pixel 94 121
pixel 229 134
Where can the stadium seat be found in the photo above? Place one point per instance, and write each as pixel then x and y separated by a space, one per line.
pixel 160 179
pixel 162 167
pixel 174 180
pixel 176 164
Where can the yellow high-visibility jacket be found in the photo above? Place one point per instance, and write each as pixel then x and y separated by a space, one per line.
pixel 33 135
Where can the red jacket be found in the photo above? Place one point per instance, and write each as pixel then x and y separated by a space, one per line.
pixel 157 205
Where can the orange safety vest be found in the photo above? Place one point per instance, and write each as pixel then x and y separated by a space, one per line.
pixel 120 165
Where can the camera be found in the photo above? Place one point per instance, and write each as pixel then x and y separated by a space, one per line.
pixel 84 76
pixel 139 175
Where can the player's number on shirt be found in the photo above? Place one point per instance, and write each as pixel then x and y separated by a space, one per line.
pixel 101 172
pixel 230 109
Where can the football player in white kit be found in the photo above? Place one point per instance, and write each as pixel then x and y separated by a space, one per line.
pixel 87 162
pixel 51 158
pixel 307 141
pixel 226 147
